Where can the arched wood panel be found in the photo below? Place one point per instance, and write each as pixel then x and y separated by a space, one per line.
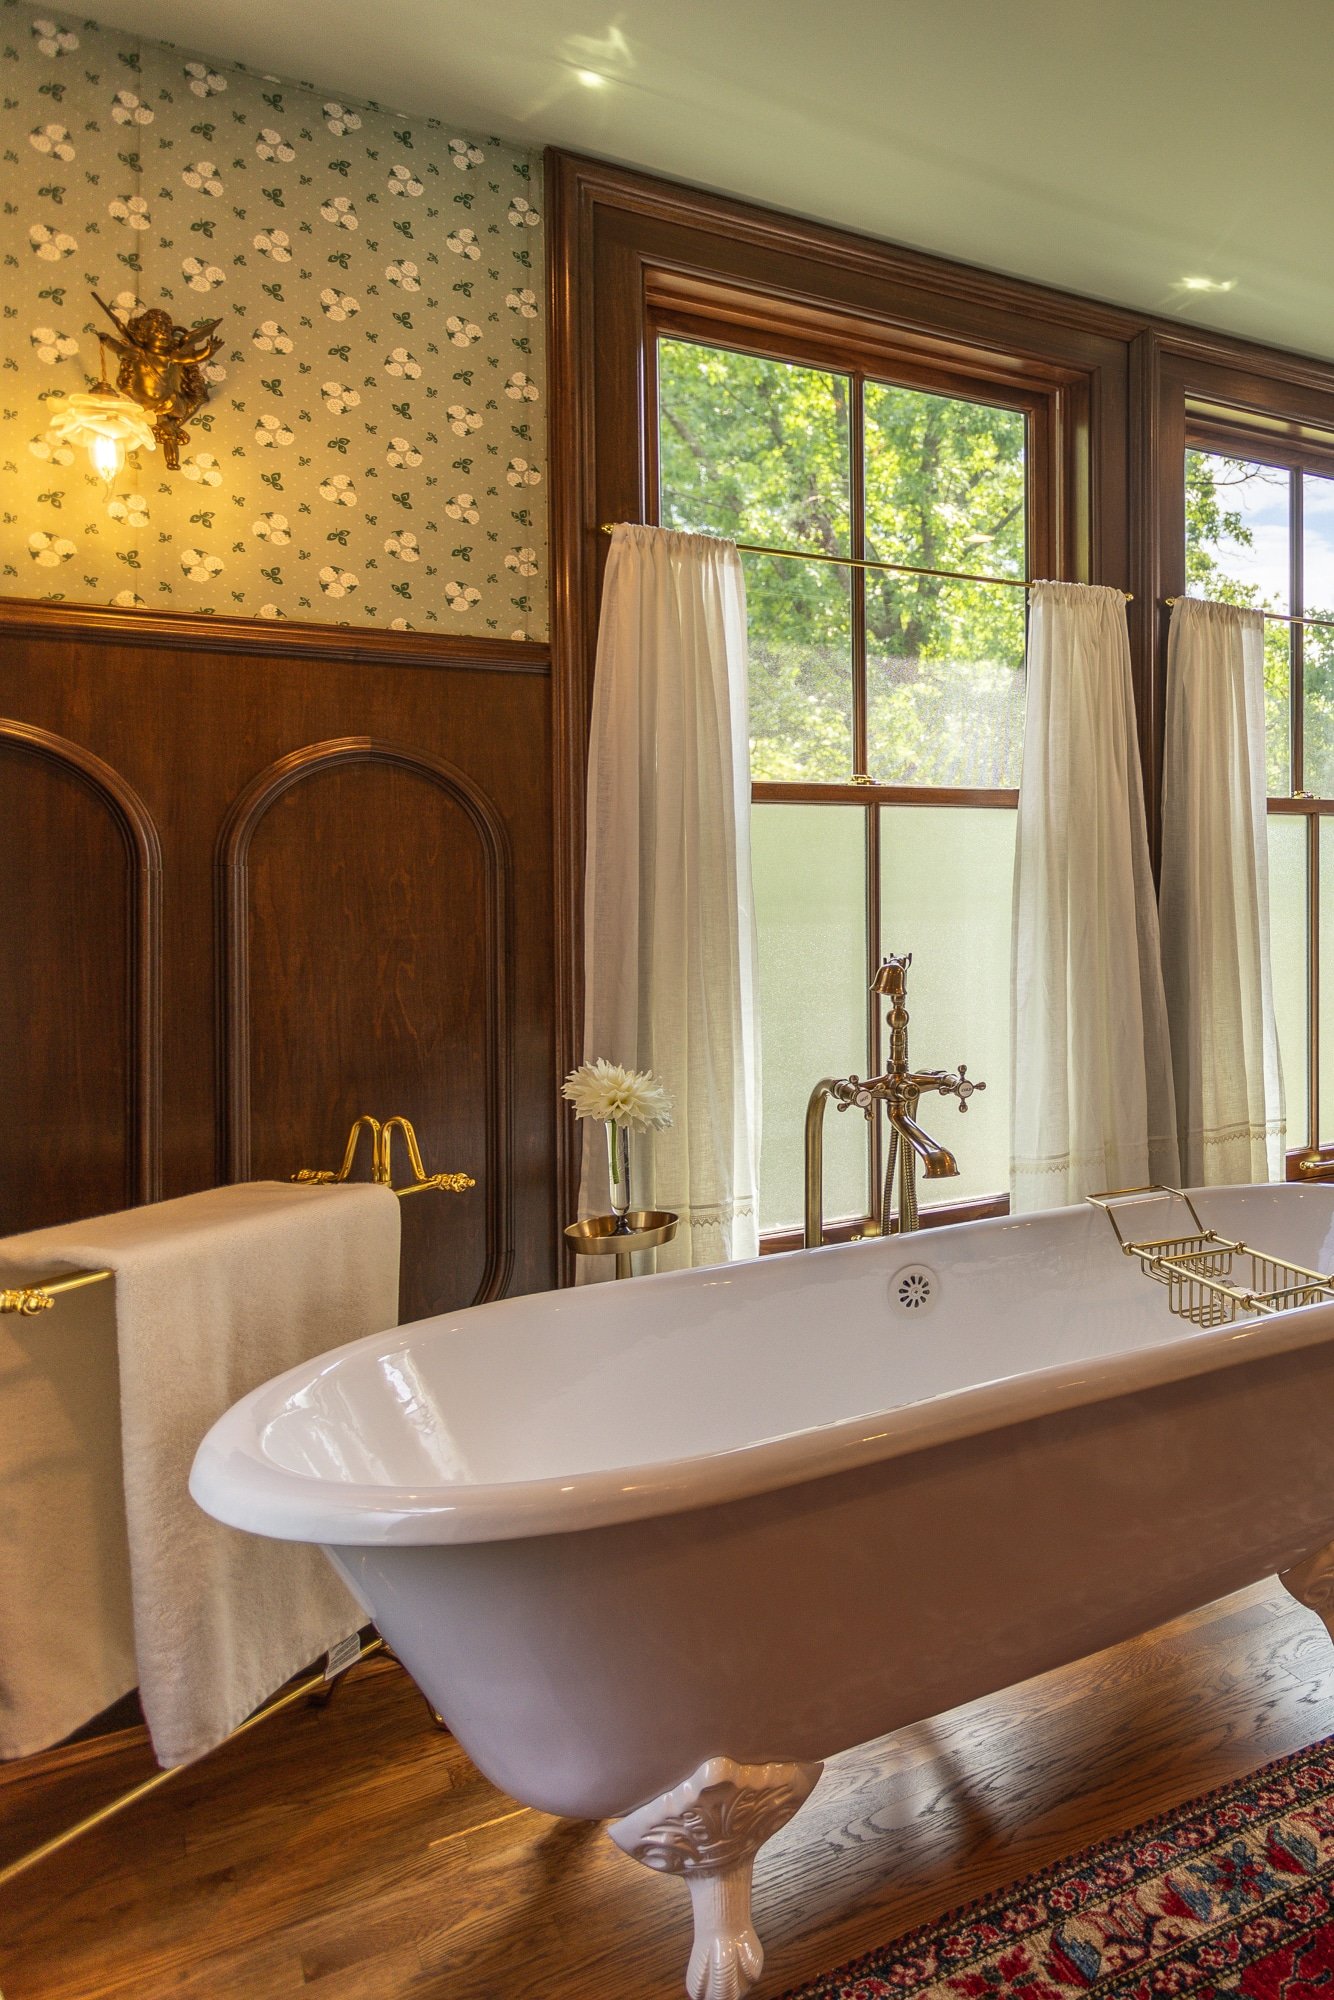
pixel 390 957
pixel 80 984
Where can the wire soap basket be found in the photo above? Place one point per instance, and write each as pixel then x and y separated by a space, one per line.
pixel 1211 1280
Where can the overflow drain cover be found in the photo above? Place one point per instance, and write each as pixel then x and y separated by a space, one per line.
pixel 914 1290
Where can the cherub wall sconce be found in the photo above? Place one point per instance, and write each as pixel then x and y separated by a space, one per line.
pixel 160 384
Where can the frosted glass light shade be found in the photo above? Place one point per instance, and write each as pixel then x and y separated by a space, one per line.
pixel 108 424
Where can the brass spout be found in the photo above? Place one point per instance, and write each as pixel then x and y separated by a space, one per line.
pixel 938 1162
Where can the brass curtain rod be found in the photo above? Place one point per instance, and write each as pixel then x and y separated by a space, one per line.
pixel 1275 617
pixel 869 562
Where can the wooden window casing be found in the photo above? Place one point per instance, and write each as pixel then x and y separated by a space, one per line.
pixel 635 259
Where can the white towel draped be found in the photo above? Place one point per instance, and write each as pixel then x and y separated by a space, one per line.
pixel 109 1573
pixel 1214 900
pixel 669 926
pixel 1092 1103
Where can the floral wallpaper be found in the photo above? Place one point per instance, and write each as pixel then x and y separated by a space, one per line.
pixel 374 448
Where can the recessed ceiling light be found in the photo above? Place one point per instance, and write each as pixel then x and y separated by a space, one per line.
pixel 590 78
pixel 1207 284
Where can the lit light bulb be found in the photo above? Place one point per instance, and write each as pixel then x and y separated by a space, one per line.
pixel 108 456
pixel 107 424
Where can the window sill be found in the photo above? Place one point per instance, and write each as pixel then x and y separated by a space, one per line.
pixel 852 1229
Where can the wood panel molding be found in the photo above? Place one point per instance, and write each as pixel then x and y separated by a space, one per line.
pixel 234 841
pixel 598 182
pixel 278 638
pixel 143 944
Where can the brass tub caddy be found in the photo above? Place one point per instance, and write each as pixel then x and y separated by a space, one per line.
pixel 1210 1279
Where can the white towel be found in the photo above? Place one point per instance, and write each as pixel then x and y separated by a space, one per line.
pixel 213 1294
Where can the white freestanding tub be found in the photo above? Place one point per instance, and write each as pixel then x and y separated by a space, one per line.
pixel 655 1549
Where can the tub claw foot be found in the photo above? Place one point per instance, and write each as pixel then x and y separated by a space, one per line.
pixel 1312 1584
pixel 710 1829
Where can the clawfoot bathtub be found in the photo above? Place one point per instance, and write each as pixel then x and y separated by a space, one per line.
pixel 654 1550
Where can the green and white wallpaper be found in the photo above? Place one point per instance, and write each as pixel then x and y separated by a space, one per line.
pixel 374 451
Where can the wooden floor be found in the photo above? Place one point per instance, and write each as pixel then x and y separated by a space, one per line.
pixel 354 1853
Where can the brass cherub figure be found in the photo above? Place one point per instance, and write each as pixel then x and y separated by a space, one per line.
pixel 161 368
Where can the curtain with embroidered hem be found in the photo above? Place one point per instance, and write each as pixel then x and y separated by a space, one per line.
pixel 1214 899
pixel 1092 1102
pixel 669 922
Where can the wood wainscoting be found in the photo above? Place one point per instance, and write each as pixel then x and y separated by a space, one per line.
pixel 257 879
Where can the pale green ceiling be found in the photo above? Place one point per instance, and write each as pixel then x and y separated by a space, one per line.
pixel 1115 149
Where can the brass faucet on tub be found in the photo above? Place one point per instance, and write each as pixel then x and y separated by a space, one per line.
pixel 898 1090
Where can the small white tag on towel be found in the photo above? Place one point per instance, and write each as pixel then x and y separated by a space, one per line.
pixel 340 1657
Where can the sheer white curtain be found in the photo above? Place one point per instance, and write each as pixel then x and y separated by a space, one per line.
pixel 1091 1079
pixel 669 922
pixel 1214 900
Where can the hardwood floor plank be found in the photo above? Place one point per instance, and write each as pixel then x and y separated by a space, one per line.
pixel 354 1853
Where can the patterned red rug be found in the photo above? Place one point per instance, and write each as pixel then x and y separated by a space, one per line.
pixel 1231 1895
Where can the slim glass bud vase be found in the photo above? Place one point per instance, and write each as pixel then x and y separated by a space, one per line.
pixel 618 1173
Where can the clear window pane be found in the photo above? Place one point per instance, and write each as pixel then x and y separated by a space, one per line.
pixel 1278 708
pixel 1287 929
pixel 810 899
pixel 752 448
pixel 944 682
pixel 944 482
pixel 1317 546
pixel 1318 679
pixel 1237 552
pixel 799 619
pixel 946 897
pixel 1318 640
pixel 1237 523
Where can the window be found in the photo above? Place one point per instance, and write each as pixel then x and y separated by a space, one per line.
pixel 1260 531
pixel 887 532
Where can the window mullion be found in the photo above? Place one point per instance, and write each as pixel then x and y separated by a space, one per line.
pixel 1312 983
pixel 857 584
pixel 857 577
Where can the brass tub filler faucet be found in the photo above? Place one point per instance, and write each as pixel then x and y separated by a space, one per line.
pixel 898 1090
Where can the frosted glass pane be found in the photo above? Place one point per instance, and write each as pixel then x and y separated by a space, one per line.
pixel 1287 930
pixel 799 622
pixel 944 682
pixel 810 899
pixel 946 876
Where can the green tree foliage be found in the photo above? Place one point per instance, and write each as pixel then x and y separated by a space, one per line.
pixel 760 450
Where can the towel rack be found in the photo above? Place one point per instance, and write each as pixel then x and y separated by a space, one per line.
pixel 30 1300
pixel 381 1136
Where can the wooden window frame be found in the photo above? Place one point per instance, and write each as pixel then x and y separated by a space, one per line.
pixel 630 254
pixel 1215 394
pixel 703 313
pixel 1294 450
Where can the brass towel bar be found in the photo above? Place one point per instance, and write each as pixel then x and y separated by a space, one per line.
pixel 32 1299
pixel 871 562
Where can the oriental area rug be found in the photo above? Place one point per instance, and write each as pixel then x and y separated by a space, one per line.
pixel 1233 1894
